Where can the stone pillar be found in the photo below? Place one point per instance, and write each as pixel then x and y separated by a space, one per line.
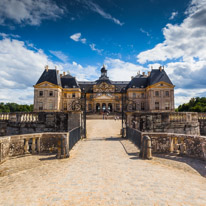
pixel 38 145
pixel 26 144
pixel 33 146
pixel 171 145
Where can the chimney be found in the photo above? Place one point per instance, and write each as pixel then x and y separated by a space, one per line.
pixel 143 73
pixel 60 75
pixel 149 74
pixel 160 68
pixel 64 73
pixel 47 68
pixel 57 71
pixel 151 67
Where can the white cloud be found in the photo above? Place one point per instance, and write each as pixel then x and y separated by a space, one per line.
pixel 21 67
pixel 60 55
pixel 82 73
pixel 144 32
pixel 186 41
pixel 183 53
pixel 173 15
pixel 93 48
pixel 122 71
pixel 77 37
pixel 30 12
pixel 97 9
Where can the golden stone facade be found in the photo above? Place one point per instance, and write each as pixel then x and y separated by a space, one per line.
pixel 151 93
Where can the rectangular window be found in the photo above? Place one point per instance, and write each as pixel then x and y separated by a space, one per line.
pixel 156 105
pixel 65 95
pixel 51 105
pixel 73 95
pixel 51 94
pixel 41 93
pixel 89 107
pixel 142 94
pixel 157 93
pixel 65 106
pixel 40 106
pixel 142 105
pixel 167 94
pixel 167 105
pixel 133 106
pixel 134 95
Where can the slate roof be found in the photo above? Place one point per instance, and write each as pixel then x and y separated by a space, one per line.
pixel 50 76
pixel 69 81
pixel 158 76
pixel 139 81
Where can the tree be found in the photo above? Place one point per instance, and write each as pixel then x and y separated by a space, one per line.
pixel 197 104
pixel 14 107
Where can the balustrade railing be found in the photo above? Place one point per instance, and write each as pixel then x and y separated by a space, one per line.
pixel 19 117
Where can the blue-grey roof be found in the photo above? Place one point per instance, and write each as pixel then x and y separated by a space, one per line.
pixel 158 76
pixel 69 81
pixel 50 76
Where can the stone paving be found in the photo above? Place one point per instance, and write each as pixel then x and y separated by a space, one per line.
pixel 102 170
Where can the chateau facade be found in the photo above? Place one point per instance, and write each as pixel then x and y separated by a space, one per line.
pixel 55 92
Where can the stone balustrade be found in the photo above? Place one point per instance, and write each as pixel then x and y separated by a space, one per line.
pixel 167 143
pixel 19 117
pixel 52 142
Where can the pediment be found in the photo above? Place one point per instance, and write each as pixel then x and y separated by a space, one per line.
pixel 45 85
pixel 104 96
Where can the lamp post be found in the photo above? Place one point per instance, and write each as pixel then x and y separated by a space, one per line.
pixel 85 111
pixel 123 89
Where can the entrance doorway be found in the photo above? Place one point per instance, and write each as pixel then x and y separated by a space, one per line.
pixel 103 107
pixel 97 107
pixel 110 107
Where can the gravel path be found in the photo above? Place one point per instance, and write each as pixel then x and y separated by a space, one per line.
pixel 102 170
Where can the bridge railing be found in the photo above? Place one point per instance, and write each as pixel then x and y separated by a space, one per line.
pixel 167 143
pixel 52 142
pixel 74 136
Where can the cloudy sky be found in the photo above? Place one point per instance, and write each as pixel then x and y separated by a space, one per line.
pixel 80 36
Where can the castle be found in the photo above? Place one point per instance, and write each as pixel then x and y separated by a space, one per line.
pixel 55 92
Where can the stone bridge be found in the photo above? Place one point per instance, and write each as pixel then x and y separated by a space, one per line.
pixel 103 169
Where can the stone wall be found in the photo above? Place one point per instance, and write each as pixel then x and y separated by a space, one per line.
pixel 167 143
pixel 169 122
pixel 202 121
pixel 36 143
pixel 26 123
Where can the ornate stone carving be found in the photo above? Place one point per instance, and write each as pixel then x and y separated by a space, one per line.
pixel 103 88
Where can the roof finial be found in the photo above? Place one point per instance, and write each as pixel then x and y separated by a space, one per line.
pixel 103 66
pixel 46 68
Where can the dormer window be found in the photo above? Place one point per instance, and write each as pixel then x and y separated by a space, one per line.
pixel 73 95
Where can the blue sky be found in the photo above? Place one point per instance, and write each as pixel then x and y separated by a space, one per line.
pixel 81 35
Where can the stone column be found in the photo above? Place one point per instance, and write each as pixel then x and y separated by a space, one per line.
pixel 26 144
pixel 33 146
pixel 38 145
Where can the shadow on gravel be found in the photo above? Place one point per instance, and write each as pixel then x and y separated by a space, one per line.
pixel 198 165
pixel 50 157
pixel 105 139
pixel 135 155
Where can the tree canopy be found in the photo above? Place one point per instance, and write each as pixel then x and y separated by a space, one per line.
pixel 197 104
pixel 13 107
